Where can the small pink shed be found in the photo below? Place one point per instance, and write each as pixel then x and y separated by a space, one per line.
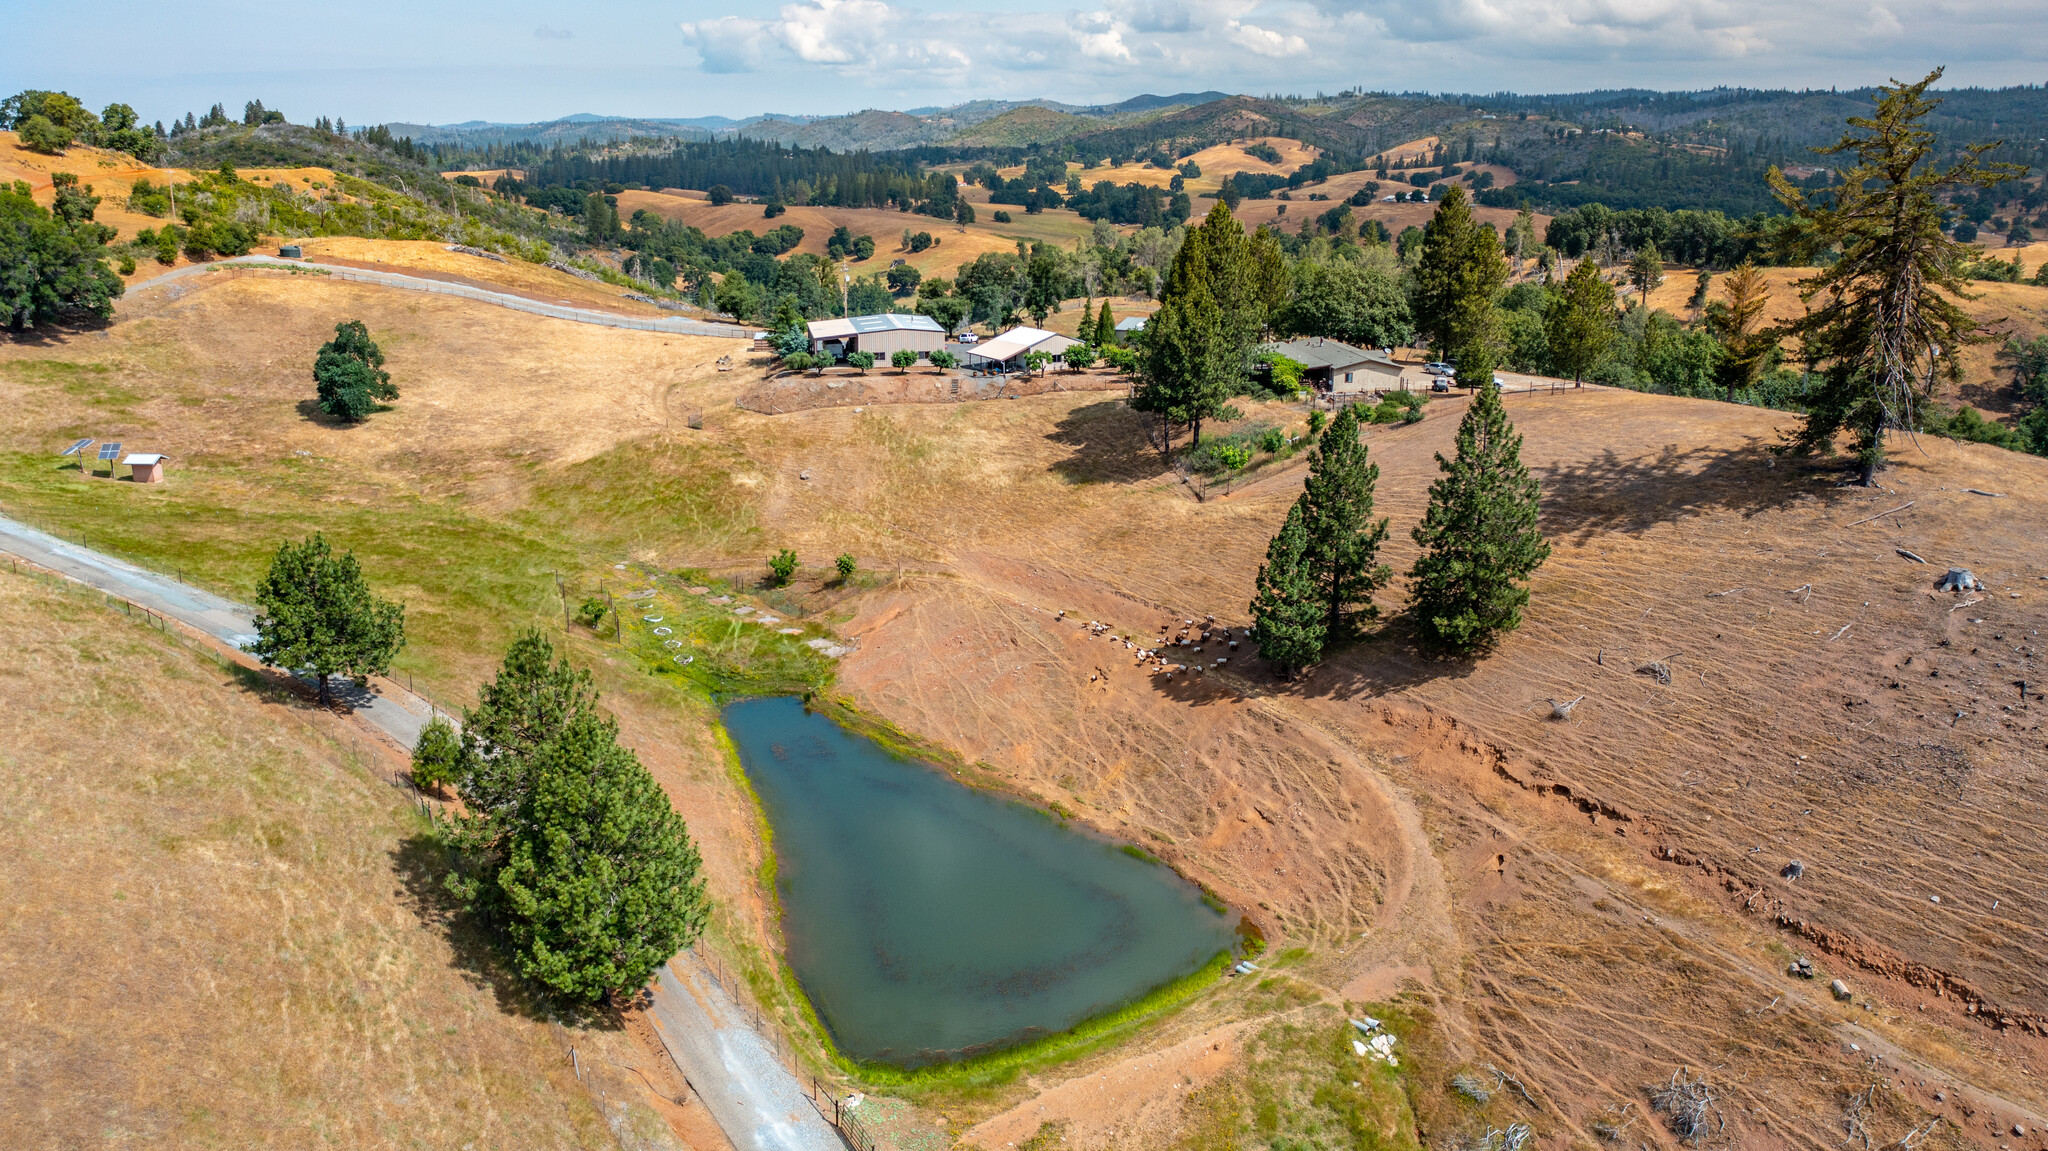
pixel 146 467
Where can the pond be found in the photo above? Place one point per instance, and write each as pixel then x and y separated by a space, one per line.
pixel 928 921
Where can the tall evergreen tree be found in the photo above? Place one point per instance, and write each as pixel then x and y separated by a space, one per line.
pixel 1579 327
pixel 1457 282
pixel 1888 318
pixel 1288 610
pixel 1213 310
pixel 1343 538
pixel 602 885
pixel 1105 328
pixel 1184 366
pixel 1646 270
pixel 1738 325
pixel 532 700
pixel 567 844
pixel 318 615
pixel 1479 538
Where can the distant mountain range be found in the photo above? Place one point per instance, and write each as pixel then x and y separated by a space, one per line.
pixel 873 128
pixel 1357 125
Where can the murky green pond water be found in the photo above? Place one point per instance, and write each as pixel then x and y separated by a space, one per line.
pixel 928 921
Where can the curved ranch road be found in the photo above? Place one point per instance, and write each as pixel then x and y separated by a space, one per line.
pixel 758 1103
pixel 674 324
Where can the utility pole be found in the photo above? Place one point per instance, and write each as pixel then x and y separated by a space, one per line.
pixel 563 590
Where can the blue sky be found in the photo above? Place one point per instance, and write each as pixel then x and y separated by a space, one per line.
pixel 382 60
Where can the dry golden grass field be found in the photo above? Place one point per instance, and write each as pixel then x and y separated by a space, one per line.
pixel 955 246
pixel 224 928
pixel 1586 904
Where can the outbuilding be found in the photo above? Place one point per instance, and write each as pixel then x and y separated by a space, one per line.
pixel 1337 368
pixel 146 467
pixel 1007 351
pixel 879 335
pixel 1129 324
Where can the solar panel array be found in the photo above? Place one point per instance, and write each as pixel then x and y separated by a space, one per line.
pixel 110 451
pixel 73 449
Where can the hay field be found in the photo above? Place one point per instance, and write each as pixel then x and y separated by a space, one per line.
pixel 223 926
pixel 1578 903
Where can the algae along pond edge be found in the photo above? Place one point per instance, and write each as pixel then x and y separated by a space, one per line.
pixel 928 921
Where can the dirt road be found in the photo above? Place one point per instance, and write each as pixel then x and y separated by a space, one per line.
pixel 518 303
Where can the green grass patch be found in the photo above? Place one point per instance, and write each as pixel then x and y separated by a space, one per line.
pixel 981 1072
pixel 1139 853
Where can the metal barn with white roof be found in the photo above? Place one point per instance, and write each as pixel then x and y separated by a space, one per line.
pixel 882 334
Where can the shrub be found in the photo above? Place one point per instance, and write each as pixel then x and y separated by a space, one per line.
pixel 1121 359
pixel 1227 453
pixel 1002 217
pixel 1316 422
pixel 38 134
pixel 1399 408
pixel 799 361
pixel 846 566
pixel 903 359
pixel 781 566
pixel 593 610
pixel 861 360
pixel 148 199
pixel 1081 357
pixel 944 360
pixel 1272 440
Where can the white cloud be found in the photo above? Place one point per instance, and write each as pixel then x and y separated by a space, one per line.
pixel 1264 41
pixel 546 33
pixel 1109 48
pixel 727 44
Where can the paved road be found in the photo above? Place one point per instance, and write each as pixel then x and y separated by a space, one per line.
pixel 758 1103
pixel 675 324
pixel 225 620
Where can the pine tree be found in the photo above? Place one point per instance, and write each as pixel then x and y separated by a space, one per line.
pixel 1579 327
pixel 1288 610
pixel 1479 537
pixel 1198 348
pixel 602 885
pixel 1646 270
pixel 1343 538
pixel 1183 364
pixel 1889 316
pixel 1457 281
pixel 318 615
pixel 1105 328
pixel 1748 342
pixel 532 700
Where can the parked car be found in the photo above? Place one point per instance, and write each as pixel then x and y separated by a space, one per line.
pixel 1439 368
pixel 1440 384
pixel 969 338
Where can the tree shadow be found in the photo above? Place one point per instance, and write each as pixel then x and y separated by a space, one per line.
pixel 58 330
pixel 422 865
pixel 1608 493
pixel 1109 445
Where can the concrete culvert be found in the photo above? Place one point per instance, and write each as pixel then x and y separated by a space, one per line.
pixel 1959 579
pixel 1839 990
